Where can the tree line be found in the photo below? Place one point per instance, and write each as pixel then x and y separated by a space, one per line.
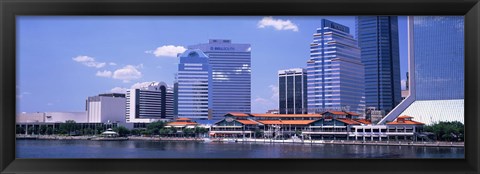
pixel 71 128
pixel 447 131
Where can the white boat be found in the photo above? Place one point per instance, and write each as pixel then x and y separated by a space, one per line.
pixel 207 140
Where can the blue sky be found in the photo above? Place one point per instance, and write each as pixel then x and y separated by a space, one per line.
pixel 63 60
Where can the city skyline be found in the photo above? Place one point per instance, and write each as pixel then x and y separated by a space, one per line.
pixel 108 75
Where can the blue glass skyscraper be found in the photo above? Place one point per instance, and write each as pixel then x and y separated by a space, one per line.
pixel 231 76
pixel 378 41
pixel 335 73
pixel 193 78
pixel 436 66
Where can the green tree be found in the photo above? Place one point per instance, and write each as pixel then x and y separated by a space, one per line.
pixel 88 131
pixel 188 132
pixel 19 129
pixel 447 131
pixel 31 130
pixel 298 132
pixel 135 131
pixel 68 127
pixel 155 127
pixel 49 131
pixel 258 133
pixel 200 131
pixel 122 131
pixel 42 130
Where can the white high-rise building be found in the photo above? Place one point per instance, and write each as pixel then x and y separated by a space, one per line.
pixel 106 108
pixel 150 103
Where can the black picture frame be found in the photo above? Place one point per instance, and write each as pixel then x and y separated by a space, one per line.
pixel 11 8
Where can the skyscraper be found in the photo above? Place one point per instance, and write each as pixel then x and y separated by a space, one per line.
pixel 292 85
pixel 231 76
pixel 335 74
pixel 436 66
pixel 378 41
pixel 194 78
pixel 152 102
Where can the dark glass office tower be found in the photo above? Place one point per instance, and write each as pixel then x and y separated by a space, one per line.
pixel 378 42
pixel 292 85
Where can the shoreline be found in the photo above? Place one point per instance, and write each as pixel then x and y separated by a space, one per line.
pixel 252 140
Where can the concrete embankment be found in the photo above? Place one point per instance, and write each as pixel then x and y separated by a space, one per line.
pixel 343 142
pixel 252 140
pixel 164 138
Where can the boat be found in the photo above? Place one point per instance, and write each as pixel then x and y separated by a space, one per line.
pixel 207 140
pixel 109 135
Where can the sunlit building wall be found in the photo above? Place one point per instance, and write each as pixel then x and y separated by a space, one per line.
pixel 150 103
pixel 193 78
pixel 335 73
pixel 231 76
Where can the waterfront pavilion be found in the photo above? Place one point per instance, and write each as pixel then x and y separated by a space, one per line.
pixel 404 128
pixel 233 128
pixel 182 123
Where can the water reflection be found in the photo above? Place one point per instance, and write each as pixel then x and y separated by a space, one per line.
pixel 161 149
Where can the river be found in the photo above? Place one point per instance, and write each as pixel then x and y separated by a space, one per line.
pixel 177 149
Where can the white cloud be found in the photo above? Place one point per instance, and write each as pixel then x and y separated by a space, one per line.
pixel 278 24
pixel 263 104
pixel 127 73
pixel 112 63
pixel 134 86
pixel 104 73
pixel 167 51
pixel 141 85
pixel 119 90
pixel 21 95
pixel 262 101
pixel 274 90
pixel 89 61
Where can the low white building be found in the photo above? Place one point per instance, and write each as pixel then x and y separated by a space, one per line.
pixel 51 117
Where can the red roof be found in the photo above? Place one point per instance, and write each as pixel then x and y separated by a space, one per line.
pixel 407 122
pixel 287 115
pixel 237 114
pixel 404 116
pixel 347 120
pixel 284 122
pixel 336 112
pixel 342 113
pixel 353 113
pixel 364 121
pixel 183 119
pixel 249 122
